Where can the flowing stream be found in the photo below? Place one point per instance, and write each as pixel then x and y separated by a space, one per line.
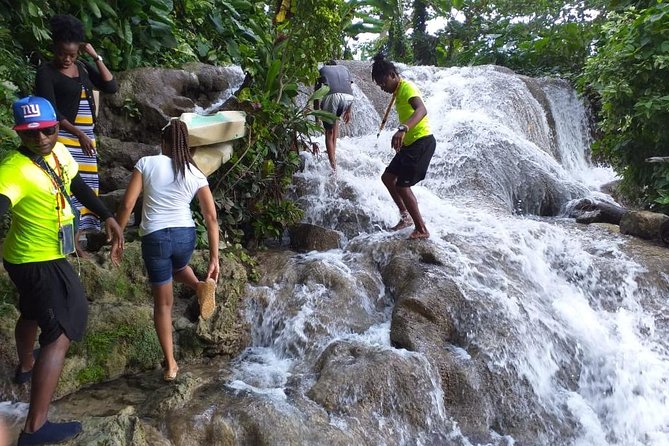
pixel 555 307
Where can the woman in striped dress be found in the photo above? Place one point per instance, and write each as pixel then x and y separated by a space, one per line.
pixel 68 84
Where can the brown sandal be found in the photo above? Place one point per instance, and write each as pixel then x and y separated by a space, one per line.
pixel 206 297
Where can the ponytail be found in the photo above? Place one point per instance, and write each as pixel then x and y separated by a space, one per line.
pixel 382 67
pixel 175 136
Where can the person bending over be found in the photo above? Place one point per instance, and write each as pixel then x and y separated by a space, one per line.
pixel 337 101
pixel 413 143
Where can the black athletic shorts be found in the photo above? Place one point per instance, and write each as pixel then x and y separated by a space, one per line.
pixel 51 294
pixel 411 162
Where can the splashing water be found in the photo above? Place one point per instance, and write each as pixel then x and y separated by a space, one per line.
pixel 555 306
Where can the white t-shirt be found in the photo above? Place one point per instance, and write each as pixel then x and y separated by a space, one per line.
pixel 166 201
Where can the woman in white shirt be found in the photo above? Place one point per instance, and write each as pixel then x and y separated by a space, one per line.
pixel 170 181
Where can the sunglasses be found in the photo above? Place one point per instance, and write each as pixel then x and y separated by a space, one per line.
pixel 34 133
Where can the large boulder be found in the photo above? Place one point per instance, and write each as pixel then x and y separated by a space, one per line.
pixel 643 224
pixel 308 237
pixel 148 97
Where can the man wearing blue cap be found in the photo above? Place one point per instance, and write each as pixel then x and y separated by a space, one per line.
pixel 36 182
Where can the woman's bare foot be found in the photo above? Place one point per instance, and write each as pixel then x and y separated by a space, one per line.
pixel 418 235
pixel 405 222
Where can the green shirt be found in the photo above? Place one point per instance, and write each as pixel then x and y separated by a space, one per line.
pixel 405 91
pixel 33 234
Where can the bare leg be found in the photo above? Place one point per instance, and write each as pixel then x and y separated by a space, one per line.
pixel 412 206
pixel 46 373
pixel 187 277
pixel 390 181
pixel 162 318
pixel 331 144
pixel 25 334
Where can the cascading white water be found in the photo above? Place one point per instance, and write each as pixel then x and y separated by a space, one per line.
pixel 556 306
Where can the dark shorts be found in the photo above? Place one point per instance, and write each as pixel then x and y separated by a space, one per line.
pixel 51 294
pixel 410 164
pixel 166 251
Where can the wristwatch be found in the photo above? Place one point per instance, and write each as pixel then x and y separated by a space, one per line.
pixel 402 128
pixel 98 58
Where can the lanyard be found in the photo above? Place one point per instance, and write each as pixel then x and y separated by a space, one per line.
pixel 60 197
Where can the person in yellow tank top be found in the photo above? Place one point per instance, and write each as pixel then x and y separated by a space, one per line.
pixel 36 182
pixel 413 143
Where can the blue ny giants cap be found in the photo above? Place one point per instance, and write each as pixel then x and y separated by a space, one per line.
pixel 33 112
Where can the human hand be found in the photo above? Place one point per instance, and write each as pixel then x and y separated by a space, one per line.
pixel 346 117
pixel 87 48
pixel 397 140
pixel 87 145
pixel 115 235
pixel 213 270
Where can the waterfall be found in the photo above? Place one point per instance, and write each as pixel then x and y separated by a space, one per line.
pixel 551 325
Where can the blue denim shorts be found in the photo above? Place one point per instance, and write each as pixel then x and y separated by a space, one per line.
pixel 166 251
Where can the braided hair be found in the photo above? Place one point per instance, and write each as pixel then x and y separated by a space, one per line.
pixel 382 67
pixel 66 29
pixel 175 136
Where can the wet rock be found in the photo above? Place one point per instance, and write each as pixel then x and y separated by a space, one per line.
pixel 592 210
pixel 387 383
pixel 241 419
pixel 643 224
pixel 123 429
pixel 171 397
pixel 120 337
pixel 308 237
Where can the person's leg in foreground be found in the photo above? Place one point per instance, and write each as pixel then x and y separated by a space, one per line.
pixel 176 245
pixel 25 334
pixel 46 372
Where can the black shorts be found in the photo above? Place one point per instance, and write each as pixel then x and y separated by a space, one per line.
pixel 51 294
pixel 411 162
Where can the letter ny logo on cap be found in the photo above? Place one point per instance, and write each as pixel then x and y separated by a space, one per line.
pixel 33 112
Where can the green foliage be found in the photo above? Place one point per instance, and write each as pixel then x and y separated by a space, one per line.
pixel 629 73
pixel 389 19
pixel 533 38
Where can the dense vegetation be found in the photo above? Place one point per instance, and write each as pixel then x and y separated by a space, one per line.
pixel 618 51
pixel 629 73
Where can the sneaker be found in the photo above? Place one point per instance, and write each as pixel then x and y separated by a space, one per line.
pixel 50 433
pixel 206 297
pixel 405 222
